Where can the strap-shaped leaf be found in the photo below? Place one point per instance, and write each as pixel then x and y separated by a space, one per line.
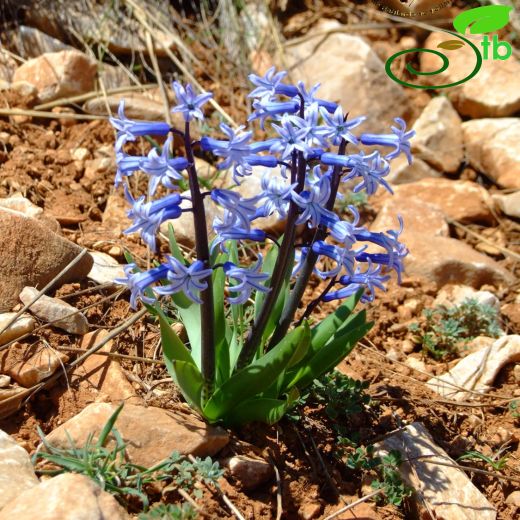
pixel 256 377
pixel 324 331
pixel 261 409
pixel 173 347
pixel 328 356
pixel 222 362
pixel 190 382
pixel 484 19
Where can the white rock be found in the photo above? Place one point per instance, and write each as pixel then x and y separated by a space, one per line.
pixel 65 497
pixel 58 74
pixel 105 269
pixel 472 98
pixel 16 471
pixel 55 311
pixel 439 136
pixel 346 66
pixel 476 372
pixel 509 204
pixel 452 295
pixel 493 148
pixel 5 381
pixel 445 490
pixel 250 472
pixel 21 326
pixel 402 173
pixel 416 364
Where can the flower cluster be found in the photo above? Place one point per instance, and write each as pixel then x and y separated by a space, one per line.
pixel 315 148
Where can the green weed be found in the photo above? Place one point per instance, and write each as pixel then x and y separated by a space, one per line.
pixel 445 330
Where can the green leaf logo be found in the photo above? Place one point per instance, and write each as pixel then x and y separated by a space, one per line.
pixel 483 19
pixel 451 45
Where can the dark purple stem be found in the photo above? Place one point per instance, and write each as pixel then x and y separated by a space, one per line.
pixel 202 249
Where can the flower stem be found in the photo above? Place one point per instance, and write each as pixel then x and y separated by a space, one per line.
pixel 310 261
pixel 280 269
pixel 202 249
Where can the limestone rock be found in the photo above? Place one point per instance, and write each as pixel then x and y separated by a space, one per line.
pixel 11 398
pixel 250 472
pixel 21 326
pixel 58 74
pixel 402 173
pixel 476 372
pixel 32 255
pixel 508 204
pixel 55 311
pixel 418 217
pixel 346 67
pixel 18 202
pixel 513 498
pixel 29 42
pixel 7 67
pixel 438 140
pixel 151 433
pixel 36 364
pixel 137 106
pixel 445 260
pixel 493 147
pixel 104 374
pixel 105 269
pixel 445 490
pixel 472 98
pixel 16 471
pixel 452 295
pixel 5 381
pixel 68 496
pixel 465 201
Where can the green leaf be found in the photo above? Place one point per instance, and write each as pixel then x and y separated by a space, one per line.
pixel 256 377
pixel 262 409
pixel 451 45
pixel 173 348
pixel 105 432
pixel 484 19
pixel 329 355
pixel 324 331
pixel 190 382
pixel 267 267
pixel 222 363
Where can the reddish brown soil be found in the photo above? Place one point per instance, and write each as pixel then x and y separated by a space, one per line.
pixel 36 160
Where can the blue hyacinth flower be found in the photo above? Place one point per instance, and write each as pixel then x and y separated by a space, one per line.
pixel 129 130
pixel 240 211
pixel 148 216
pixel 368 280
pixel 337 128
pixel 266 85
pixel 399 140
pixel 249 280
pixel 312 201
pixel 189 103
pixel 162 169
pixel 139 281
pixel 264 110
pixel 126 166
pixel 186 279
pixel 276 196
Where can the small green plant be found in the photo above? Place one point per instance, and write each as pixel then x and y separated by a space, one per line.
pixel 513 409
pixel 496 464
pixel 387 466
pixel 341 395
pixel 170 512
pixel 110 470
pixel 447 329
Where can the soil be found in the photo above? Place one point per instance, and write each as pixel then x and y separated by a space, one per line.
pixel 36 159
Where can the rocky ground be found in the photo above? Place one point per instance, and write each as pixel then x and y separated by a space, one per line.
pixel 68 357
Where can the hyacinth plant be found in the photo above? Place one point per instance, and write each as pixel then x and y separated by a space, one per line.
pixel 249 352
